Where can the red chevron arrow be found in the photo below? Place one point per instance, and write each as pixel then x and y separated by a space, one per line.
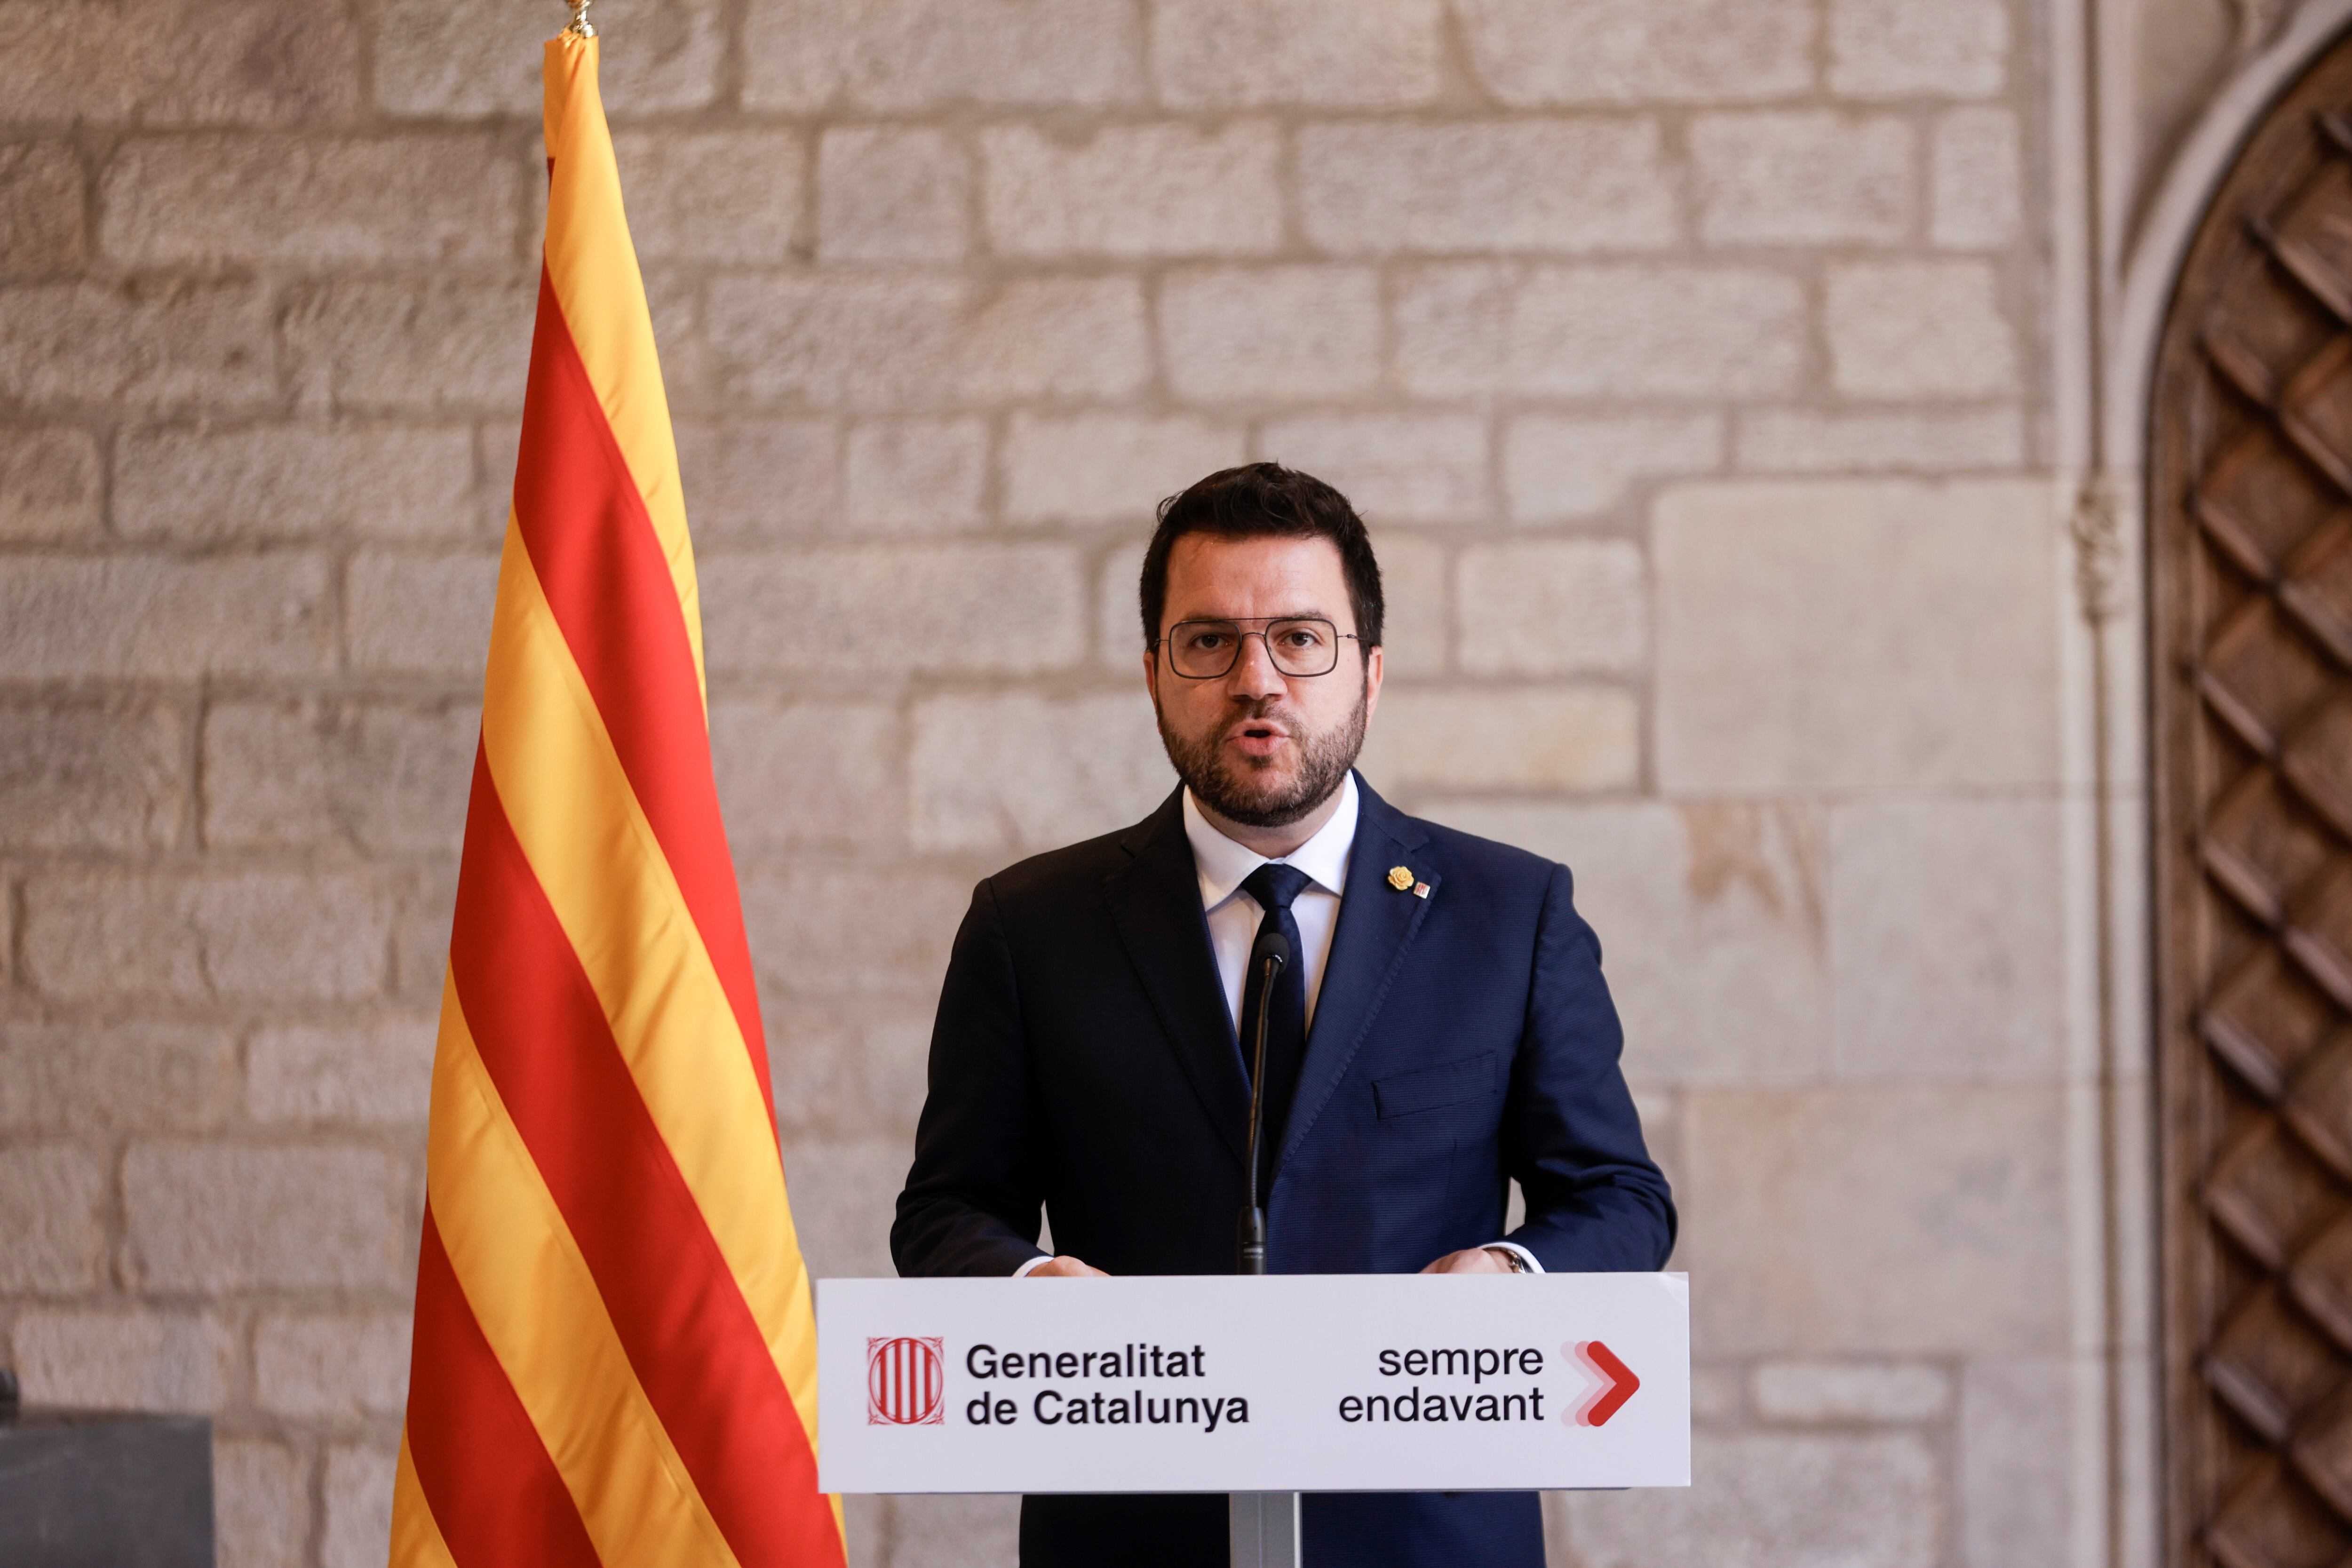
pixel 1617 1384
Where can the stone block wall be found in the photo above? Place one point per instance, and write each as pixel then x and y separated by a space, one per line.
pixel 1684 355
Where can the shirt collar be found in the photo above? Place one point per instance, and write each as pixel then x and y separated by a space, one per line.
pixel 1224 864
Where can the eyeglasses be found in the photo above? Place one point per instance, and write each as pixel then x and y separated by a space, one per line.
pixel 1297 645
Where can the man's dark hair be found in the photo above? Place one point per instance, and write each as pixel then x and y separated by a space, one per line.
pixel 1258 500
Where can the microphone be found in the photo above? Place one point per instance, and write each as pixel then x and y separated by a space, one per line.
pixel 1268 960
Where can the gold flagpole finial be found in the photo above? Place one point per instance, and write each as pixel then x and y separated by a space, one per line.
pixel 581 27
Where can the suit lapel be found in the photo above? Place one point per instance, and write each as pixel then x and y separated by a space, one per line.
pixel 1155 902
pixel 1377 921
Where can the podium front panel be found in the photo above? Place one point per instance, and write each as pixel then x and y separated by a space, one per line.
pixel 1288 1382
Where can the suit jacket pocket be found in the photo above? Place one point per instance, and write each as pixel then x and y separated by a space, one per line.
pixel 1432 1089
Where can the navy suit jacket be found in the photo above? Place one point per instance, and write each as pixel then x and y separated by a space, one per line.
pixel 1084 1061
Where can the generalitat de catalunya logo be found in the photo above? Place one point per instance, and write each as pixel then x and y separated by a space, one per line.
pixel 906 1382
pixel 1616 1386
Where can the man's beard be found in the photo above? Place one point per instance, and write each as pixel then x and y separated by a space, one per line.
pixel 1237 794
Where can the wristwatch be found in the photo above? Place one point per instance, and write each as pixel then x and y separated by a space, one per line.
pixel 1511 1259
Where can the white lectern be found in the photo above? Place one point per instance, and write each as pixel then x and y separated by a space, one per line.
pixel 1258 1387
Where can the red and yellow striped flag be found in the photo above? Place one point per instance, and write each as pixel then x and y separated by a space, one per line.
pixel 616 1361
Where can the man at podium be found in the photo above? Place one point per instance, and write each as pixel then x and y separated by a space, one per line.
pixel 1441 1029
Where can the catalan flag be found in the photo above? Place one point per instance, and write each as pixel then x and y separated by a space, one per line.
pixel 616 1359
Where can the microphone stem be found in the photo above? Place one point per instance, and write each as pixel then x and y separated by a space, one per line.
pixel 1253 1218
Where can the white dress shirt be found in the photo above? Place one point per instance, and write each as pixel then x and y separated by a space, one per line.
pixel 1233 916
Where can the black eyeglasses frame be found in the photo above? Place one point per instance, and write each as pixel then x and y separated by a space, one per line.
pixel 1265 623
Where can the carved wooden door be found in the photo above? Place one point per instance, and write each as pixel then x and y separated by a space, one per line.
pixel 2251 574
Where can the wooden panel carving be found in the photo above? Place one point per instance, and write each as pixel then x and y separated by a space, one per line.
pixel 2250 565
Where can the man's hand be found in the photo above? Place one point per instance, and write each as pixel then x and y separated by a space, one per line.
pixel 1064 1267
pixel 1469 1260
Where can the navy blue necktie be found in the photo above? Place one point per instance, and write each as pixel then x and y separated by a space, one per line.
pixel 1274 885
